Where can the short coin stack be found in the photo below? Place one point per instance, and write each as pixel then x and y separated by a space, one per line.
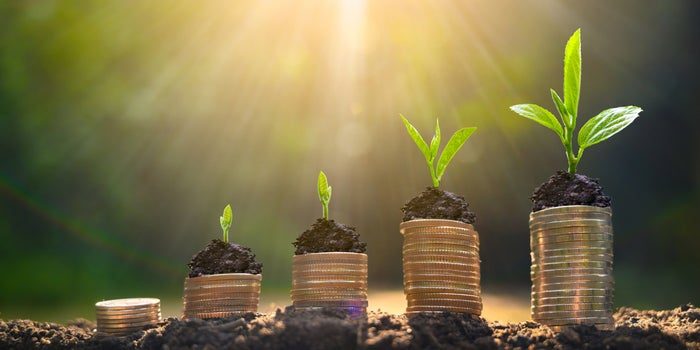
pixel 441 266
pixel 221 295
pixel 332 280
pixel 123 316
pixel 572 259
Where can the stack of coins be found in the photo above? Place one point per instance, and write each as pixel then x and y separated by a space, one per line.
pixel 123 316
pixel 221 295
pixel 332 280
pixel 441 266
pixel 572 259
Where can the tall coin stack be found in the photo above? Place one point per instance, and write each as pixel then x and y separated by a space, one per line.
pixel 572 260
pixel 332 280
pixel 441 266
pixel 221 295
pixel 123 316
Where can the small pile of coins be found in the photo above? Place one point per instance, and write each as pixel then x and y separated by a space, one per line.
pixel 123 316
pixel 441 266
pixel 221 295
pixel 572 260
pixel 331 280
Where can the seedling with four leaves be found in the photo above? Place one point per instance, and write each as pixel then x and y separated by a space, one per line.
pixel 599 128
pixel 430 152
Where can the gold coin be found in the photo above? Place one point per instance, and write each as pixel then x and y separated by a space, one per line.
pixel 130 318
pixel 572 307
pixel 572 264
pixel 331 303
pixel 443 308
pixel 559 293
pixel 225 277
pixel 218 314
pixel 562 247
pixel 127 304
pixel 572 237
pixel 117 313
pixel 553 315
pixel 573 209
pixel 434 223
pixel 537 302
pixel 435 298
pixel 440 234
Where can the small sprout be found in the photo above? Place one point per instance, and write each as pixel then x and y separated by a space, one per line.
pixel 225 221
pixel 430 152
pixel 599 128
pixel 324 193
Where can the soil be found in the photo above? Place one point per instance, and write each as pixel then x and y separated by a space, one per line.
pixel 324 329
pixel 221 257
pixel 564 188
pixel 329 236
pixel 434 203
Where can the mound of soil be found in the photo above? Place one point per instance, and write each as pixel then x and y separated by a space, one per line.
pixel 329 236
pixel 564 188
pixel 221 257
pixel 324 329
pixel 434 203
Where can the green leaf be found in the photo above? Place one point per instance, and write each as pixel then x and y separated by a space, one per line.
pixel 225 221
pixel 324 191
pixel 453 145
pixel 226 218
pixel 606 124
pixel 435 142
pixel 572 73
pixel 415 135
pixel 561 108
pixel 539 115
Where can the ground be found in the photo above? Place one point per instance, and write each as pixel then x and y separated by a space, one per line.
pixel 678 328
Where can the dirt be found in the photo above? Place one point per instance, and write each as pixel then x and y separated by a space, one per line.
pixel 329 236
pixel 324 329
pixel 564 188
pixel 221 257
pixel 434 203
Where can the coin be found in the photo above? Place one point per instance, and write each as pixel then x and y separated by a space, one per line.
pixel 122 316
pixel 578 306
pixel 576 264
pixel 127 304
pixel 443 308
pixel 434 223
pixel 563 224
pixel 554 315
pixel 559 293
pixel 221 294
pixel 217 314
pixel 331 303
pixel 572 300
pixel 571 209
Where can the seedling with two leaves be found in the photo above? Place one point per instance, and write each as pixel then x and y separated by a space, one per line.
pixel 599 128
pixel 437 166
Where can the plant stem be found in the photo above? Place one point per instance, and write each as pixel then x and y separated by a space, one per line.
pixel 436 181
pixel 568 145
pixel 325 211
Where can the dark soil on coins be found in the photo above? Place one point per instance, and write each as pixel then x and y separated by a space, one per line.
pixel 325 329
pixel 434 203
pixel 221 257
pixel 329 236
pixel 564 188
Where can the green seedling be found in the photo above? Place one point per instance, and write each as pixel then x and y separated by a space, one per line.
pixel 430 152
pixel 324 193
pixel 597 129
pixel 225 220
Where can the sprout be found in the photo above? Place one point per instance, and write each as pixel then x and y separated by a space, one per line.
pixel 599 128
pixel 225 221
pixel 430 152
pixel 324 193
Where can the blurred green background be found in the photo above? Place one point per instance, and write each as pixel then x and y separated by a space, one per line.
pixel 126 126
